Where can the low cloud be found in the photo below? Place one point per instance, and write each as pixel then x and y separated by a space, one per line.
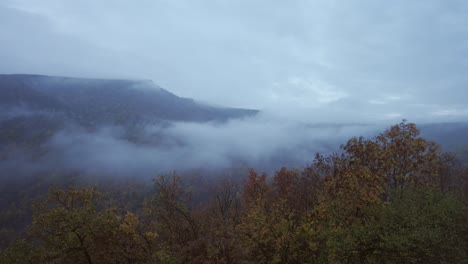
pixel 263 142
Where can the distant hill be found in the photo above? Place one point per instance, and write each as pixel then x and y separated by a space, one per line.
pixel 107 101
pixel 452 136
pixel 33 107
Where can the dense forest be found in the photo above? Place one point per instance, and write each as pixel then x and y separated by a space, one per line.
pixel 395 198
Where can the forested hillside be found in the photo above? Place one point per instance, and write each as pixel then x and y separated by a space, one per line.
pixel 35 107
pixel 395 198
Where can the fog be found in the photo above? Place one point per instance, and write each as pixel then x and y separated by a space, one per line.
pixel 263 142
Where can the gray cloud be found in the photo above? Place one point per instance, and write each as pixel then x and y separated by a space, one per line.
pixel 308 60
pixel 263 142
pixel 257 142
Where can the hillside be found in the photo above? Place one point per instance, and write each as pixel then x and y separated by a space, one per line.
pixel 34 107
pixel 107 101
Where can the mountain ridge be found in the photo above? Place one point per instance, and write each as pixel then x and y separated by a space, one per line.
pixel 33 108
pixel 93 96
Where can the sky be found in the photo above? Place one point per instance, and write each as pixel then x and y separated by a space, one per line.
pixel 323 60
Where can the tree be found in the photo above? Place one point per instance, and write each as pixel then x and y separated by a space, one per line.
pixel 64 224
pixel 69 228
pixel 422 226
pixel 21 252
pixel 219 224
pixel 172 219
pixel 408 158
pixel 274 217
pixel 370 178
pixel 255 189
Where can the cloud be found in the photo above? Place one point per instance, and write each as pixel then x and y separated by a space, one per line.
pixel 393 115
pixel 233 52
pixel 453 112
pixel 263 142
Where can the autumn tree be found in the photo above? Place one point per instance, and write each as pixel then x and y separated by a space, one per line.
pixel 255 189
pixel 369 176
pixel 64 223
pixel 219 225
pixel 408 158
pixel 275 214
pixel 171 218
pixel 69 227
pixel 255 226
pixel 368 171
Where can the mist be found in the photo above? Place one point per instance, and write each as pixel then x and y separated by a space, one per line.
pixel 263 142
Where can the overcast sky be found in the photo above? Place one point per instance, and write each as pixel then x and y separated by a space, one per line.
pixel 311 60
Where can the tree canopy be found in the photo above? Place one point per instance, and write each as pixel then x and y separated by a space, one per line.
pixel 395 198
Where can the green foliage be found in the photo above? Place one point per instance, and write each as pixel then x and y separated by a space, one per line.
pixel 424 226
pixel 68 228
pixel 21 252
pixel 419 226
pixel 66 225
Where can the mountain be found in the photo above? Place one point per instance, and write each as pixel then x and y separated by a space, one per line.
pixel 107 101
pixel 452 137
pixel 34 107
